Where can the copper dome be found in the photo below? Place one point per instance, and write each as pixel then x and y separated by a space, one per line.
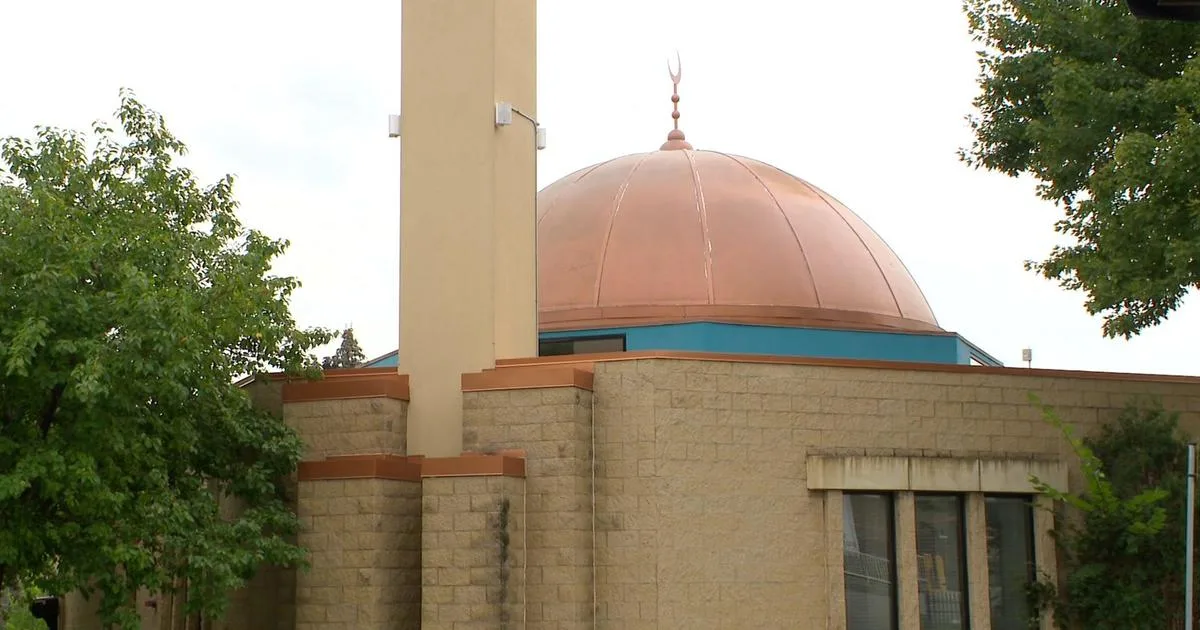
pixel 685 235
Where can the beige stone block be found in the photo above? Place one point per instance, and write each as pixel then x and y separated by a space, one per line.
pixel 952 442
pixel 948 409
pixel 1018 428
pixel 701 382
pixel 769 385
pixel 919 407
pixel 976 410
pixel 748 402
pixel 806 403
pixel 922 440
pixel 729 383
pixel 716 400
pixel 561 395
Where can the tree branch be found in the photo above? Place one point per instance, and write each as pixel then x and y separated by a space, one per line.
pixel 51 409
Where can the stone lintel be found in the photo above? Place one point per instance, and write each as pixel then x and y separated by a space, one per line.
pixel 931 474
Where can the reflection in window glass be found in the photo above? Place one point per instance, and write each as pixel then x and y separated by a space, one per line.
pixel 580 345
pixel 1010 560
pixel 941 567
pixel 870 560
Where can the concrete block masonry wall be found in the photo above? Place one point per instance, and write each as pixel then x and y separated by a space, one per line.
pixel 696 510
pixel 349 427
pixel 364 538
pixel 473 553
pixel 553 427
pixel 703 518
pixel 695 452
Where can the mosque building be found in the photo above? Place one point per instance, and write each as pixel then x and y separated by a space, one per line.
pixel 675 389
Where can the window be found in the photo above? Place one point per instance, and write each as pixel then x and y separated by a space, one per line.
pixel 940 527
pixel 941 562
pixel 581 345
pixel 869 534
pixel 1010 559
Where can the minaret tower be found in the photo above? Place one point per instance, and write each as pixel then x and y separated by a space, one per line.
pixel 468 281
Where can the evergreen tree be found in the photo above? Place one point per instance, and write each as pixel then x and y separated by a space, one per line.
pixel 348 355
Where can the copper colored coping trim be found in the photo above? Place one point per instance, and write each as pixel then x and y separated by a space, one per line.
pixel 348 384
pixel 335 372
pixel 415 468
pixel 584 361
pixel 528 377
pixel 473 466
pixel 393 467
pixel 792 316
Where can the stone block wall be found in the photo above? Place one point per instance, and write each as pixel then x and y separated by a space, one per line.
pixel 703 515
pixel 364 538
pixel 349 427
pixel 473 553
pixel 553 426
pixel 268 601
pixel 79 613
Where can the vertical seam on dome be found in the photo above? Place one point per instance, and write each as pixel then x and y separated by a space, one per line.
pixel 803 256
pixel 883 275
pixel 584 173
pixel 612 219
pixel 924 300
pixel 704 234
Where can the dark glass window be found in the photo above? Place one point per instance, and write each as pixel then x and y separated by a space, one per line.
pixel 581 345
pixel 941 562
pixel 1011 564
pixel 869 535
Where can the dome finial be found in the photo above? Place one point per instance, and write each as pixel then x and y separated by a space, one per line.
pixel 675 139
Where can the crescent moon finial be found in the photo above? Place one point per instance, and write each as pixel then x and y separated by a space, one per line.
pixel 675 139
pixel 677 72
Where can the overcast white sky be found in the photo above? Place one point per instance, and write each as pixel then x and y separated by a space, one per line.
pixel 864 99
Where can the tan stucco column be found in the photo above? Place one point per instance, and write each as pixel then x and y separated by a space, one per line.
pixel 835 558
pixel 468 203
pixel 978 587
pixel 1045 552
pixel 908 600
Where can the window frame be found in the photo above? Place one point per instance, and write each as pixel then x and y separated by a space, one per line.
pixel 893 530
pixel 1030 519
pixel 964 528
pixel 571 343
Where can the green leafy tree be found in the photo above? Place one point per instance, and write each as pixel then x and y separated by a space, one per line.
pixel 348 355
pixel 130 298
pixel 16 613
pixel 1101 108
pixel 1123 546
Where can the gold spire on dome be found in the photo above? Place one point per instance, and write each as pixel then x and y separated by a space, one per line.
pixel 675 139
